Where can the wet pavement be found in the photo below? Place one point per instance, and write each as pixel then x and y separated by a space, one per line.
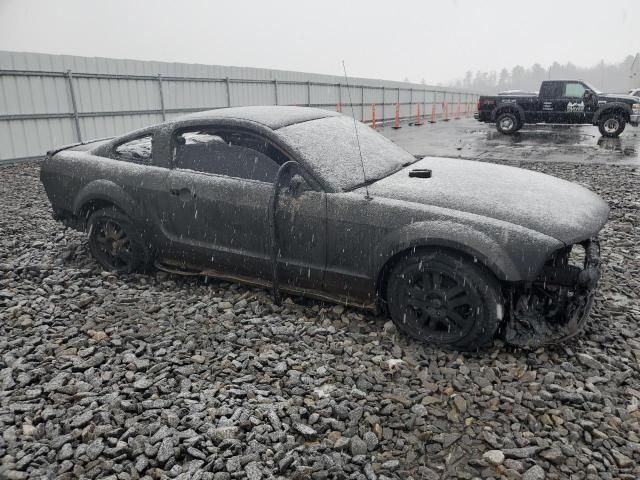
pixel 467 138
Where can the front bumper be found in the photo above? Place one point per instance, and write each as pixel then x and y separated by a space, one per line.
pixel 556 306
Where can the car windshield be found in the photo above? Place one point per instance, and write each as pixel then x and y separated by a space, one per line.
pixel 330 148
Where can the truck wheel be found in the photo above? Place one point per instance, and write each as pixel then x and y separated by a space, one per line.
pixel 611 125
pixel 520 125
pixel 507 123
pixel 115 242
pixel 442 297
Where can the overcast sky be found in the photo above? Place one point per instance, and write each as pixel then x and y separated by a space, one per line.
pixel 435 40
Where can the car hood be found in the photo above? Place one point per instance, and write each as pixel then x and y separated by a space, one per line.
pixel 546 204
pixel 619 96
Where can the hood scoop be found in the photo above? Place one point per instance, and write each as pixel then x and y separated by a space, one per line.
pixel 420 173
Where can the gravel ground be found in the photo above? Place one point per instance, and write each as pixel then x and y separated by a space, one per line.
pixel 167 377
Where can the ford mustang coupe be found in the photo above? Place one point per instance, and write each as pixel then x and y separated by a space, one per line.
pixel 309 202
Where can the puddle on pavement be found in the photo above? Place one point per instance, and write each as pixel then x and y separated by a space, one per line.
pixel 616 145
pixel 544 137
pixel 568 137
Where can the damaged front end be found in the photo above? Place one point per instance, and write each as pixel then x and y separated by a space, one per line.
pixel 556 305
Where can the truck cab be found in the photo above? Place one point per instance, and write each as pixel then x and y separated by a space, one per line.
pixel 566 101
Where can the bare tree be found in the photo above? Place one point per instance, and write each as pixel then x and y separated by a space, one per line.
pixel 612 77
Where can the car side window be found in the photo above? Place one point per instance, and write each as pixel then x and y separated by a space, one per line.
pixel 574 89
pixel 229 153
pixel 137 150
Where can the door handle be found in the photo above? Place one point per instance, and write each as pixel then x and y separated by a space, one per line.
pixel 183 193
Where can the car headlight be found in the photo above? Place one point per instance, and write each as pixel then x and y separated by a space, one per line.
pixel 636 108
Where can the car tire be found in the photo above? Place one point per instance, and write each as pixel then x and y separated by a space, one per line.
pixel 611 125
pixel 507 123
pixel 444 298
pixel 116 243
pixel 520 125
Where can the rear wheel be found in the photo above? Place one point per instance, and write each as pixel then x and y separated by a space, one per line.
pixel 507 123
pixel 520 125
pixel 443 298
pixel 115 242
pixel 611 124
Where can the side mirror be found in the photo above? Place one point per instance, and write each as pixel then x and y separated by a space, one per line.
pixel 297 185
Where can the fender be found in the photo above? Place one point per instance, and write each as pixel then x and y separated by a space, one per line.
pixel 108 191
pixel 611 106
pixel 507 106
pixel 449 234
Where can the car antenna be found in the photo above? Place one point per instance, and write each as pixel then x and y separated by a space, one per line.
pixel 355 127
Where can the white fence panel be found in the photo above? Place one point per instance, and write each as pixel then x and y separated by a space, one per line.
pixel 51 100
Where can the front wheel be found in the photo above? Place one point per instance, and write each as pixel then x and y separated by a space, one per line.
pixel 507 123
pixel 115 242
pixel 611 125
pixel 443 298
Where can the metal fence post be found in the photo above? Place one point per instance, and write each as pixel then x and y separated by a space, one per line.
pixel 444 100
pixel 228 92
pixel 410 103
pixel 383 108
pixel 275 90
pixel 308 93
pixel 362 102
pixel 74 105
pixel 164 113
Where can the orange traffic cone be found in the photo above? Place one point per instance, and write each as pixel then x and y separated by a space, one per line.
pixel 445 109
pixel 373 116
pixel 338 107
pixel 418 117
pixel 396 122
pixel 433 113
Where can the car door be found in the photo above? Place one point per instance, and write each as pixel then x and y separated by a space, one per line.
pixel 571 104
pixel 300 220
pixel 221 187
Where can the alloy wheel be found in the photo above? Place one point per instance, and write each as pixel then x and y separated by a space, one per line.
pixel 439 306
pixel 112 245
pixel 611 125
pixel 506 124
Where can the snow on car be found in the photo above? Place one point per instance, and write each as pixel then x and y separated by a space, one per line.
pixel 453 251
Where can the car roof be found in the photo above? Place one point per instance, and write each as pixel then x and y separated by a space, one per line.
pixel 274 117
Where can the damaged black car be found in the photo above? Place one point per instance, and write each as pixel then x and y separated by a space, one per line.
pixel 291 199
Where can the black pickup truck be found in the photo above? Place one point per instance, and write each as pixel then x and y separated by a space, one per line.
pixel 561 101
